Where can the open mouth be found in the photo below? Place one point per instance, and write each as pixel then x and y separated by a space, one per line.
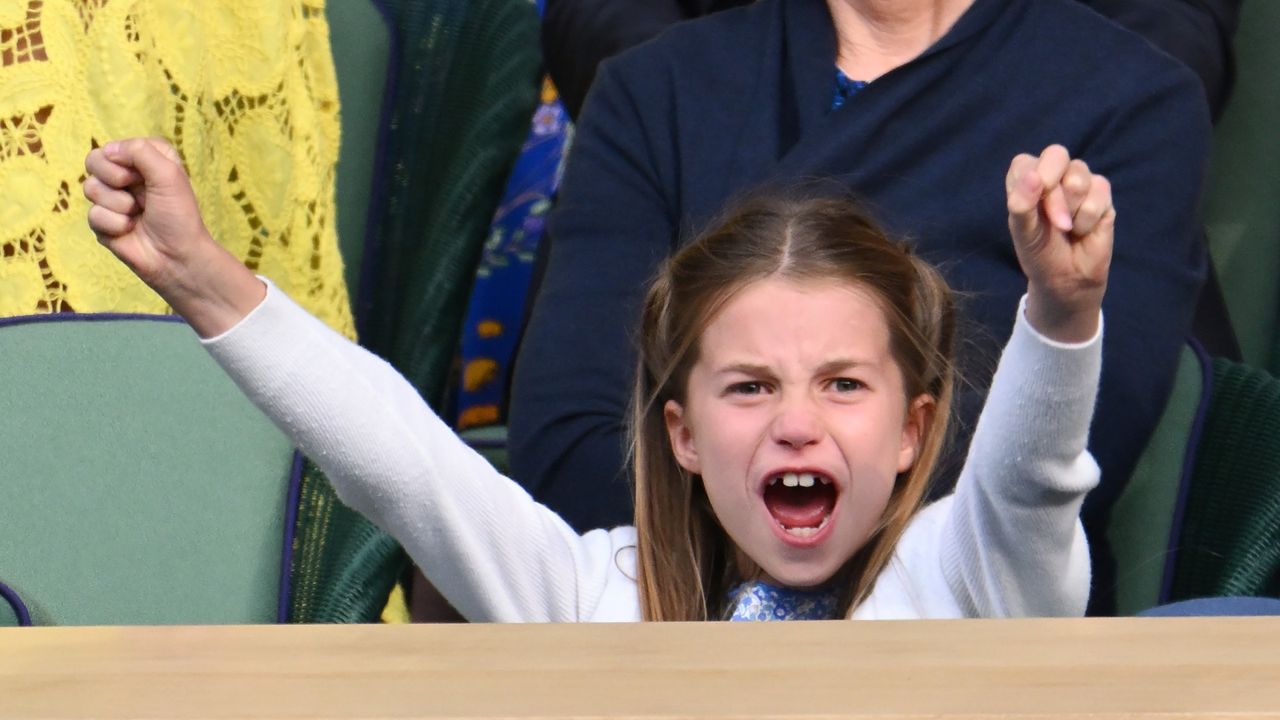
pixel 800 503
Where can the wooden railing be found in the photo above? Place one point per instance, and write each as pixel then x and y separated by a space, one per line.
pixel 1044 669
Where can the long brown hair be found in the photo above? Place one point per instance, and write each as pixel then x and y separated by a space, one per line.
pixel 686 560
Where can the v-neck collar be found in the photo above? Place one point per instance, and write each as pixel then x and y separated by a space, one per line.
pixel 810 50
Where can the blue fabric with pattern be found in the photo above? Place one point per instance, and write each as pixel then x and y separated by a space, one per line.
pixel 496 309
pixel 845 89
pixel 756 600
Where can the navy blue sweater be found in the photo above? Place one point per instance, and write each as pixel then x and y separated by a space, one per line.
pixel 715 107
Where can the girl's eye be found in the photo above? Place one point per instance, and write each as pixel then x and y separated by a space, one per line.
pixel 845 385
pixel 747 388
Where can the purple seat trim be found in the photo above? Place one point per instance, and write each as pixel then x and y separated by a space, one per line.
pixel 19 608
pixel 290 532
pixel 1188 468
pixel 85 317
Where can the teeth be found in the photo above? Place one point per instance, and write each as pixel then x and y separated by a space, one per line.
pixel 799 479
pixel 804 532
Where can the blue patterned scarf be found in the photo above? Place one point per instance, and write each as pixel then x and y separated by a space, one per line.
pixel 756 600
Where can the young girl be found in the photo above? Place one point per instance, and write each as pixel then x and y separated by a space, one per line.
pixel 792 400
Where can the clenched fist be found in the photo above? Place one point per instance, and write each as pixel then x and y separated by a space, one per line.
pixel 145 212
pixel 1063 226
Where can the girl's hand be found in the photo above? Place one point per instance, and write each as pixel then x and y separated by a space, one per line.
pixel 145 212
pixel 1063 225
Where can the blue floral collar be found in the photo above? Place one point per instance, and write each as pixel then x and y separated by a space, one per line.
pixel 756 600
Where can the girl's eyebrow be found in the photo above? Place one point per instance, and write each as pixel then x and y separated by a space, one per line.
pixel 843 364
pixel 831 366
pixel 751 369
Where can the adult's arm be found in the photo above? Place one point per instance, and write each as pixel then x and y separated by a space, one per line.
pixel 1197 32
pixel 612 227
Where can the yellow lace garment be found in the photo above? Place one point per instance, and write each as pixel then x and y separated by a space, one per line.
pixel 245 89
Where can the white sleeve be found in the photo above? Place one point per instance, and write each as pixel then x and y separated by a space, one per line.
pixel 1013 545
pixel 491 550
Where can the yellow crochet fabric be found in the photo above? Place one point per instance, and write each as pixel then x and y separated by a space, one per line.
pixel 245 89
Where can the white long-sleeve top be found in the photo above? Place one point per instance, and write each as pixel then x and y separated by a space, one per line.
pixel 1007 542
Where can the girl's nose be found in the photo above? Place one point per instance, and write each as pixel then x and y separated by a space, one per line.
pixel 797 424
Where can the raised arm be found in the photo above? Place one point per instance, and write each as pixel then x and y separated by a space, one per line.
pixel 167 245
pixel 1013 544
pixel 493 551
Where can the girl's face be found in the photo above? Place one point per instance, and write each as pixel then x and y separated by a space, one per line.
pixel 796 419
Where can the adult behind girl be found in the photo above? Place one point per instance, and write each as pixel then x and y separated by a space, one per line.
pixel 793 397
pixel 768 94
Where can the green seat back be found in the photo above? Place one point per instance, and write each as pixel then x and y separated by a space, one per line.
pixel 419 176
pixel 1222 538
pixel 1229 542
pixel 361 42
pixel 413 212
pixel 466 81
pixel 1242 207
pixel 343 566
pixel 1201 515
pixel 1142 518
pixel 139 486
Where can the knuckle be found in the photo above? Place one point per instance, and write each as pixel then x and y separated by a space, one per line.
pixel 1055 151
pixel 1018 205
pixel 168 174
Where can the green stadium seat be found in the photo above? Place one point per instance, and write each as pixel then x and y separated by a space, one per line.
pixel 140 486
pixel 143 488
pixel 1201 515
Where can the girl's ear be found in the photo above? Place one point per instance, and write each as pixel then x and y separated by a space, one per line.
pixel 919 417
pixel 681 436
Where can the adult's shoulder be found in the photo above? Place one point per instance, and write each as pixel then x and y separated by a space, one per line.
pixel 696 52
pixel 1105 53
pixel 1123 100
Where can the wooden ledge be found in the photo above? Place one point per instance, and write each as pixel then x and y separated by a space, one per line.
pixel 1046 669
